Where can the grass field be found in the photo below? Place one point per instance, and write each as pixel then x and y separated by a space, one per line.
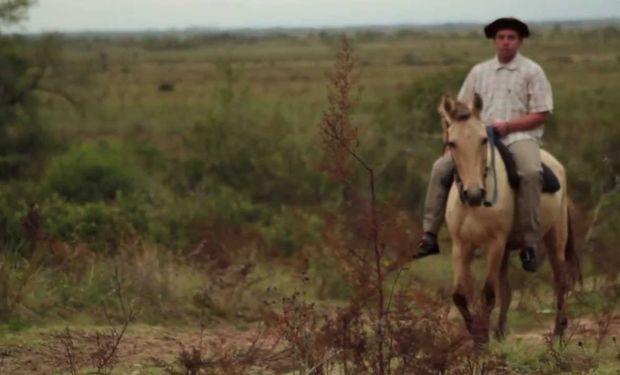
pixel 206 199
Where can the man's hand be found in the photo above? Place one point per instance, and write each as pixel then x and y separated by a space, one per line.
pixel 524 123
pixel 501 127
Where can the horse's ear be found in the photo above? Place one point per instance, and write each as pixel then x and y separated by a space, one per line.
pixel 446 107
pixel 477 105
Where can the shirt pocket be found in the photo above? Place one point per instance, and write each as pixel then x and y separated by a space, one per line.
pixel 518 97
pixel 488 107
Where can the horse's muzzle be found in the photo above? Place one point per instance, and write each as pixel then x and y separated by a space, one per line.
pixel 474 196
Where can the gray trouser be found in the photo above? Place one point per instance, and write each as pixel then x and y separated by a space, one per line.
pixel 527 157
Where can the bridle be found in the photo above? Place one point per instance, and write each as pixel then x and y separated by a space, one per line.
pixel 492 137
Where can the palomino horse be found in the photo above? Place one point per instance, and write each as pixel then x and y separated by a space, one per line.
pixel 473 225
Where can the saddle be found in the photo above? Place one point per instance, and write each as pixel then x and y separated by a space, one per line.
pixel 550 184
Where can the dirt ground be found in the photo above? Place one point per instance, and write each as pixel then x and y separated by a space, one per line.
pixel 156 350
pixel 142 351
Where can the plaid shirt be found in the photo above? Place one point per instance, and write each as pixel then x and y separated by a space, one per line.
pixel 509 91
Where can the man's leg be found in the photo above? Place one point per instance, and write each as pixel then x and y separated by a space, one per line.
pixel 527 157
pixel 435 206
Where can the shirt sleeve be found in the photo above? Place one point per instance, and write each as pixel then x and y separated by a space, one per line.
pixel 539 93
pixel 466 94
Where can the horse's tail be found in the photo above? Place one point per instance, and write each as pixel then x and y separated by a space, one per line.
pixel 571 255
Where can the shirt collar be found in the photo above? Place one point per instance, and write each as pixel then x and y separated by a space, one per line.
pixel 512 65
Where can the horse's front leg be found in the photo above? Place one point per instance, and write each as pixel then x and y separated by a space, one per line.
pixel 495 256
pixel 505 297
pixel 463 287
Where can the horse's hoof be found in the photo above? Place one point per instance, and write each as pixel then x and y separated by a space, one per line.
pixel 481 336
pixel 481 344
pixel 560 326
pixel 528 259
pixel 500 335
pixel 470 327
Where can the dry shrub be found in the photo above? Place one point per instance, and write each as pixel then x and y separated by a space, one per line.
pixel 601 237
pixel 228 259
pixel 306 333
pixel 222 357
pixel 64 353
pixel 70 351
pixel 3 354
pixel 371 242
pixel 383 329
pixel 557 358
pixel 221 246
pixel 16 276
pixel 419 339
pixel 172 286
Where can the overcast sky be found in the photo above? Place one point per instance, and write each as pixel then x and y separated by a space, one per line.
pixel 66 15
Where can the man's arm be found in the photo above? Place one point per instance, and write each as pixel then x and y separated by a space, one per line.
pixel 526 122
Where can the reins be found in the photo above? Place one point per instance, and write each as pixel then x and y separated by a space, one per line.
pixel 492 136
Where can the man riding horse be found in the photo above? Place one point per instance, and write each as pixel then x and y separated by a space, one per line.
pixel 517 101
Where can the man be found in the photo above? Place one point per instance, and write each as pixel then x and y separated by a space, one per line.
pixel 517 101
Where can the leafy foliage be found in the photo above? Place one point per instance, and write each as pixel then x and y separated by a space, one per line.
pixel 21 136
pixel 93 172
pixel 12 11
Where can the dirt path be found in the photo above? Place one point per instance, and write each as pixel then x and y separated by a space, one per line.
pixel 142 351
pixel 149 350
pixel 587 326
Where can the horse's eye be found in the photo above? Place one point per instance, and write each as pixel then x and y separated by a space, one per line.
pixel 484 141
pixel 451 144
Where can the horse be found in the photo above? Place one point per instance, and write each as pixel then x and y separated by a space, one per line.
pixel 488 226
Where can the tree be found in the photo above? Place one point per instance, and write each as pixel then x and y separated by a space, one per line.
pixel 21 138
pixel 13 11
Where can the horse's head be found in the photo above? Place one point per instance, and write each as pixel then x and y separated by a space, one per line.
pixel 466 138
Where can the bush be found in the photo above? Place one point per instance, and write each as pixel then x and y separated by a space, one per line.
pixel 102 226
pixel 94 193
pixel 419 99
pixel 180 221
pixel 251 145
pixel 406 137
pixel 287 230
pixel 93 172
pixel 14 199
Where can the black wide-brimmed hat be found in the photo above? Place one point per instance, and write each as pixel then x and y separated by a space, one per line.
pixel 506 23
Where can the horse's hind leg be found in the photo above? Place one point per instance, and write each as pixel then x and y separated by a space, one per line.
pixel 505 297
pixel 555 240
pixel 462 294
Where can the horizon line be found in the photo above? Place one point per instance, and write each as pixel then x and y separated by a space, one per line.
pixel 216 29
